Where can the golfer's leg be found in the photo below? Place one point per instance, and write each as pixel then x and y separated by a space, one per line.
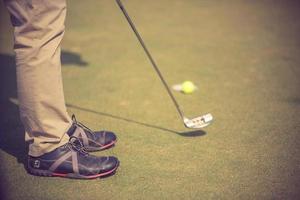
pixel 38 31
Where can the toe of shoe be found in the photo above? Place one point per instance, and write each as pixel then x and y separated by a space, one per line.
pixel 106 137
pixel 110 137
pixel 110 164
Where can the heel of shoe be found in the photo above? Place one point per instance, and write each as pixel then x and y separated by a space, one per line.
pixel 39 172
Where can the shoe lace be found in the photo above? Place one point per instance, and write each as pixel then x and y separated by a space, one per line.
pixel 81 125
pixel 75 144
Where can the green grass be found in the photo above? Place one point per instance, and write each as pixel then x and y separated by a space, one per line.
pixel 243 56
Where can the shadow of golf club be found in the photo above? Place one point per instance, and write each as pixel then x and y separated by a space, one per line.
pixel 195 133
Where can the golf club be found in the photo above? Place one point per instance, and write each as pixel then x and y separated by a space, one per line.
pixel 195 123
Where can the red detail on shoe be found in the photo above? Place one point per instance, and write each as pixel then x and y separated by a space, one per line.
pixel 58 174
pixel 108 145
pixel 91 176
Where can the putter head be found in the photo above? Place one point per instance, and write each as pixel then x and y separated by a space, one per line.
pixel 198 122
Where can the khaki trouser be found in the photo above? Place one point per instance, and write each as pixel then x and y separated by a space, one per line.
pixel 38 31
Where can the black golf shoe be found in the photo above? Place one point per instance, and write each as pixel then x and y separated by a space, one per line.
pixel 92 140
pixel 72 161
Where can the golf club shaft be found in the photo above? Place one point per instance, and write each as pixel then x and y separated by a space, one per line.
pixel 150 57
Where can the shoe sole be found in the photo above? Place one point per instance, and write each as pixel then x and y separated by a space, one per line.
pixel 47 173
pixel 92 149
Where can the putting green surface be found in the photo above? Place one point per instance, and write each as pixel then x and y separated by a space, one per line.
pixel 242 55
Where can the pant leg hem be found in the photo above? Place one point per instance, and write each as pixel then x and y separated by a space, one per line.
pixel 36 152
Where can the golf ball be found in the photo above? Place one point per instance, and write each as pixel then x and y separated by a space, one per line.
pixel 188 87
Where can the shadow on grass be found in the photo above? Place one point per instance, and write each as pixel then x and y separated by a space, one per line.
pixel 11 129
pixel 295 101
pixel 70 58
pixel 185 134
